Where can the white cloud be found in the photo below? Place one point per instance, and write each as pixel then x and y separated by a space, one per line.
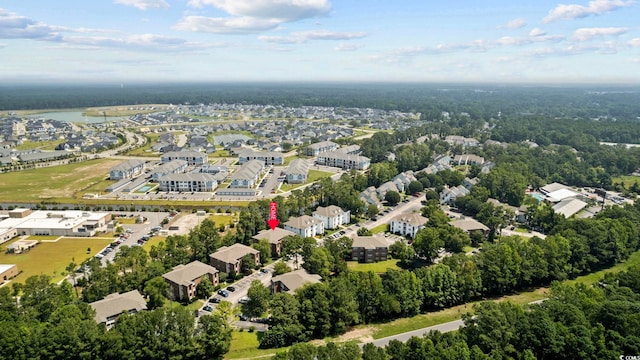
pixel 240 25
pixel 283 10
pixel 147 42
pixel 634 42
pixel 347 47
pixel 514 24
pixel 144 4
pixel 535 32
pixel 584 34
pixel 304 36
pixel 575 11
pixel 512 41
pixel 13 26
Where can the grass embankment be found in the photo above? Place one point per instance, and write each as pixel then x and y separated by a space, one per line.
pixel 51 258
pixel 382 228
pixel 627 180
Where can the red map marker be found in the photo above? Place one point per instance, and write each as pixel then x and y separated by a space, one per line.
pixel 273 215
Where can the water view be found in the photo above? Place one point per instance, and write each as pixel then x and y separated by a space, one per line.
pixel 72 116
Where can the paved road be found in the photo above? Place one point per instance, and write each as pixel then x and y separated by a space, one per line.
pixel 445 327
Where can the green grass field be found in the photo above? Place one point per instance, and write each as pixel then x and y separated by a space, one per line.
pixel 377 267
pixel 43 145
pixel 51 258
pixel 380 229
pixel 313 175
pixel 244 345
pixel 56 182
pixel 145 150
pixel 627 180
pixel 155 240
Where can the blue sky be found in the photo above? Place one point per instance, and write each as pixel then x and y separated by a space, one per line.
pixel 128 41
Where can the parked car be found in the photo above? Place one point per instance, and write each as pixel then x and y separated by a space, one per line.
pixel 214 300
pixel 244 300
pixel 243 317
pixel 208 308
pixel 223 293
pixel 231 288
pixel 264 271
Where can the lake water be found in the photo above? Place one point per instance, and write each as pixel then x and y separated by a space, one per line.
pixel 71 116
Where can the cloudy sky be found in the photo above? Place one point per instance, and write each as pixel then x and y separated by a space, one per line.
pixel 320 40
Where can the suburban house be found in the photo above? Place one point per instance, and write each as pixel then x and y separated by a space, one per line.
pixel 172 167
pixel 332 216
pixel 407 224
pixel 184 279
pixel 343 161
pixel 229 258
pixel 320 147
pixel 191 157
pixel 267 157
pixel 191 182
pixel 403 180
pixel 383 189
pixel 461 140
pixel 291 281
pixel 369 249
pixel 297 171
pixel 108 309
pixel 450 194
pixel 470 225
pixel 305 226
pixel 247 175
pixel 274 237
pixel 370 197
pixel 468 159
pixel 127 169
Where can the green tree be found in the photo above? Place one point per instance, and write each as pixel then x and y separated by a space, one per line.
pixel 427 243
pixel 156 290
pixel 319 262
pixel 204 288
pixel 403 252
pixel 372 211
pixel 213 337
pixel 392 198
pixel 280 268
pixel 415 187
pixel 265 250
pixel 259 297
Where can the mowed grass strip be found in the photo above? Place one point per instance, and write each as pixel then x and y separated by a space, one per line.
pixel 54 182
pixel 51 258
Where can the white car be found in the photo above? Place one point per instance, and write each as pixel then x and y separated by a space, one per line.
pixel 244 300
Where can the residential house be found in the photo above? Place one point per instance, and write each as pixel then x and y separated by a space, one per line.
pixel 450 194
pixel 407 224
pixel 370 197
pixel 127 169
pixel 191 157
pixel 274 237
pixel 183 280
pixel 369 249
pixel 111 307
pixel 403 180
pixel 305 226
pixel 193 182
pixel 291 281
pixel 229 258
pixel 468 159
pixel 383 189
pixel 297 171
pixel 332 216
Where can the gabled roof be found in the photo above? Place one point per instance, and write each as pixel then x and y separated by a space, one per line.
pixel 233 253
pixel 114 304
pixel 553 187
pixel 273 236
pixel 569 207
pixel 298 166
pixel 126 165
pixel 469 225
pixel 185 274
pixel 328 211
pixel 414 219
pixel 302 222
pixel 296 279
pixel 249 170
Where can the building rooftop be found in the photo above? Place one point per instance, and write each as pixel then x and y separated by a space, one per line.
pixel 569 207
pixel 414 219
pixel 126 165
pixel 369 242
pixel 328 211
pixel 233 253
pixel 296 279
pixel 114 304
pixel 52 219
pixel 185 274
pixel 553 187
pixel 302 222
pixel 469 225
pixel 273 236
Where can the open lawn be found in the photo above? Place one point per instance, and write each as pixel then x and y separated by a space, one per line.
pixel 245 345
pixel 56 182
pixel 380 229
pixel 221 219
pixel 377 267
pixel 51 258
pixel 155 240
pixel 313 175
pixel 627 180
pixel 43 145
pixel 592 278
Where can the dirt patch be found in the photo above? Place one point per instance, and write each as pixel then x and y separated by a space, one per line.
pixel 185 222
pixel 361 334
